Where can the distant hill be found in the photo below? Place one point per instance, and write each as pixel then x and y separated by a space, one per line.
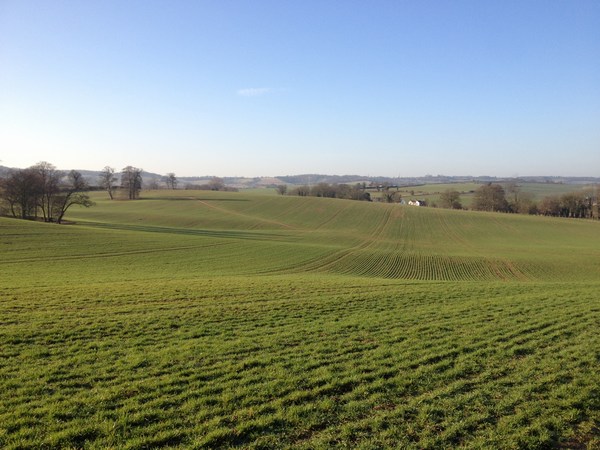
pixel 310 179
pixel 430 179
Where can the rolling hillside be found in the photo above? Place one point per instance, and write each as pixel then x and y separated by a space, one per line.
pixel 238 320
pixel 299 235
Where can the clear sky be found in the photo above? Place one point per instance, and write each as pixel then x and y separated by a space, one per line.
pixel 266 88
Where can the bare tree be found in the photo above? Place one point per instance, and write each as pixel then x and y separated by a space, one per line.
pixel 490 197
pixel 526 204
pixel 388 196
pixel 518 201
pixel 22 190
pixel 71 194
pixel 216 184
pixel 550 206
pixel 131 181
pixel 513 190
pixel 49 179
pixel 323 190
pixel 302 191
pixel 171 180
pixel 343 191
pixel 571 204
pixel 450 198
pixel 574 204
pixel 108 180
pixel 358 192
pixel 281 189
pixel 594 210
pixel 39 188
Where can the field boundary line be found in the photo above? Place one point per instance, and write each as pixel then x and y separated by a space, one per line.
pixel 248 216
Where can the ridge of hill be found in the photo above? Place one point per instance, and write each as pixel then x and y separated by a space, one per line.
pixel 310 179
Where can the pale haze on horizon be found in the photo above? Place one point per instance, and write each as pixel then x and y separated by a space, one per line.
pixel 267 88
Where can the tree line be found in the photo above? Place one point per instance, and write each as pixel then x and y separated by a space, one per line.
pixel 511 199
pixel 344 191
pixel 130 185
pixel 41 191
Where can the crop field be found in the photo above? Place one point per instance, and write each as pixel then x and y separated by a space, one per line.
pixel 193 319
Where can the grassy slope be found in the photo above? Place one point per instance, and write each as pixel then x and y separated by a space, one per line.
pixel 291 234
pixel 228 319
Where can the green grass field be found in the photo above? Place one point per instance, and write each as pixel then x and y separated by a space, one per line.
pixel 196 319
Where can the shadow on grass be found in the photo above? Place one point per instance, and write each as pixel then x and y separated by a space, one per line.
pixel 201 199
pixel 230 234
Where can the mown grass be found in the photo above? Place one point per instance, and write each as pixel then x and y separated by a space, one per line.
pixel 289 322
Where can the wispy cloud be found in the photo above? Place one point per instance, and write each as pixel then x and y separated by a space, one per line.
pixel 254 92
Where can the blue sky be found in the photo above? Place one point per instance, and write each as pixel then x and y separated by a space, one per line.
pixel 265 88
